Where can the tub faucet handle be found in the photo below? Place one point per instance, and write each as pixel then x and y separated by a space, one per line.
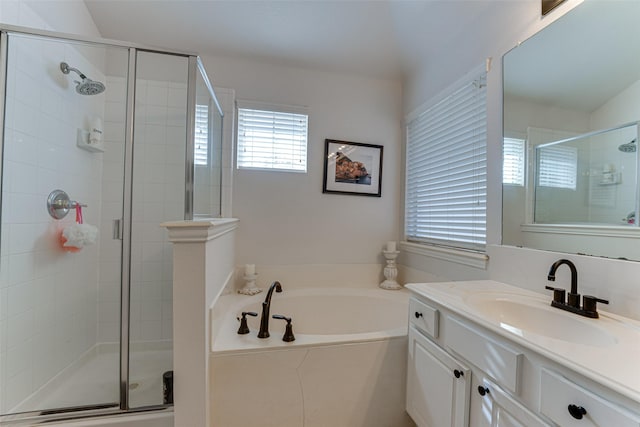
pixel 244 328
pixel 288 332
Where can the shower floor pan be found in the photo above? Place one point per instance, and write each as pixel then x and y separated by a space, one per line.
pixel 94 378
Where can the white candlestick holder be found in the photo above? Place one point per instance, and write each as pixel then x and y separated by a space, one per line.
pixel 390 271
pixel 250 287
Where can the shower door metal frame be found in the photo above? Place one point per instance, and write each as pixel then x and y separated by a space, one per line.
pixel 127 213
pixel 109 409
pixel 195 66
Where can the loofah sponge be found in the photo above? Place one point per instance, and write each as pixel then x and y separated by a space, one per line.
pixel 77 236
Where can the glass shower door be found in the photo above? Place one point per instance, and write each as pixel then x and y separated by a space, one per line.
pixel 60 284
pixel 158 196
pixel 207 156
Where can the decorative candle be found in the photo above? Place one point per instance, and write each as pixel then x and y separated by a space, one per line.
pixel 249 269
pixel 391 246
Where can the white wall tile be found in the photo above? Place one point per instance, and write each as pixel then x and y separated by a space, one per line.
pixel 157 95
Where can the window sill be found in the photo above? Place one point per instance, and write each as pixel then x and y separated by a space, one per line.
pixel 468 258
pixel 624 231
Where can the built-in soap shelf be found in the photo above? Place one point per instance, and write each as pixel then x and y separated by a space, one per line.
pixel 83 141
pixel 610 178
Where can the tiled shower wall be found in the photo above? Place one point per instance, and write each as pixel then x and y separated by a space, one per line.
pixel 158 195
pixel 47 296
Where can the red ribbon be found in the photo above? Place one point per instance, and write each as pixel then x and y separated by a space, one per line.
pixel 79 214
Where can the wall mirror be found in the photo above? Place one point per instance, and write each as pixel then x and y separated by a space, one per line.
pixel 571 112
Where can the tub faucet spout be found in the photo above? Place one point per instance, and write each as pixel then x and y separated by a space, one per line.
pixel 266 307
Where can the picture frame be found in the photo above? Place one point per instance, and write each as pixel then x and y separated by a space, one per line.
pixel 548 5
pixel 352 168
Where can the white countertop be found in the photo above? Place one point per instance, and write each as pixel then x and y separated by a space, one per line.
pixel 616 366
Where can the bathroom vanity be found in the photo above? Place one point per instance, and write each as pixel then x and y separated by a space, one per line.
pixel 483 353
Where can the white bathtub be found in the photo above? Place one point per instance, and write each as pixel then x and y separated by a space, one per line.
pixel 347 366
pixel 319 316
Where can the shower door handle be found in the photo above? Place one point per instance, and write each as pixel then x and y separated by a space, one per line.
pixel 117 229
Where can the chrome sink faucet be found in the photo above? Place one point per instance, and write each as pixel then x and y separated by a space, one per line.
pixel 266 307
pixel 572 303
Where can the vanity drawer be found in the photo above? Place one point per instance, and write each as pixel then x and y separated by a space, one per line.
pixel 499 361
pixel 557 394
pixel 423 317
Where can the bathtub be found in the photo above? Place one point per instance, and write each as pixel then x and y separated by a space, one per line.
pixel 347 366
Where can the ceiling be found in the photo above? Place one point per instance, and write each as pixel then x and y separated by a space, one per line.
pixel 382 38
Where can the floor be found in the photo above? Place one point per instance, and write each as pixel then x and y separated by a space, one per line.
pixel 95 380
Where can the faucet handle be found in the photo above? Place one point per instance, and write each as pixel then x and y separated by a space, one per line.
pixel 589 303
pixel 288 332
pixel 558 294
pixel 244 328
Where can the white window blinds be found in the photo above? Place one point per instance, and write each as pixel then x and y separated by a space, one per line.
pixel 446 170
pixel 513 161
pixel 201 146
pixel 558 167
pixel 272 140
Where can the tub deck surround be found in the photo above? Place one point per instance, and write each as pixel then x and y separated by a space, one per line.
pixel 320 316
pixel 347 366
pixel 203 265
pixel 199 230
pixel 609 357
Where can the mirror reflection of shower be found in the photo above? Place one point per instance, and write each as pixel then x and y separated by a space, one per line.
pixel 86 86
pixel 629 147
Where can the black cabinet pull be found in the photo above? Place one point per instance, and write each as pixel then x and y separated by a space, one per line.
pixel 576 411
pixel 457 373
pixel 483 390
pixel 418 315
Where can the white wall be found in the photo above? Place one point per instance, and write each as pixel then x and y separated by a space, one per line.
pixel 620 109
pixel 284 217
pixel 63 16
pixel 505 24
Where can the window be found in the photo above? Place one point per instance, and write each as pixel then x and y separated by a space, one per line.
pixel 275 140
pixel 513 161
pixel 557 167
pixel 446 184
pixel 201 146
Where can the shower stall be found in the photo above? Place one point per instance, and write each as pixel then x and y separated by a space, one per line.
pixel 101 142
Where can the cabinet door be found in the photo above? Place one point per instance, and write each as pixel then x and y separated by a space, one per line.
pixel 438 386
pixel 500 409
pixel 570 405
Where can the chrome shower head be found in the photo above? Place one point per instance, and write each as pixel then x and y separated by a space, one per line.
pixel 86 86
pixel 89 87
pixel 629 147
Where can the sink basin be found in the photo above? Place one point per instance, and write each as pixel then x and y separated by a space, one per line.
pixel 533 317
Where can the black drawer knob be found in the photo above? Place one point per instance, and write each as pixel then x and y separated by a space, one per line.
pixel 576 411
pixel 482 390
pixel 418 314
pixel 457 373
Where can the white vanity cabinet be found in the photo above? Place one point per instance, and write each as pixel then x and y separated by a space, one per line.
pixel 569 404
pixel 438 386
pixel 441 387
pixel 463 374
pixel 497 408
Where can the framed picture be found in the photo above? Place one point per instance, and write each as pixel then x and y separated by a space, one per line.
pixel 352 168
pixel 549 5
